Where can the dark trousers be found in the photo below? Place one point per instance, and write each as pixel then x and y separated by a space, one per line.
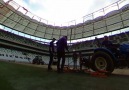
pixel 60 55
pixel 80 65
pixel 127 59
pixel 51 60
pixel 75 64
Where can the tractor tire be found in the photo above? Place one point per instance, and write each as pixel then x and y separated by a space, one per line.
pixel 102 61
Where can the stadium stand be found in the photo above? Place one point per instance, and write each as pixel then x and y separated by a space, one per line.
pixel 13 46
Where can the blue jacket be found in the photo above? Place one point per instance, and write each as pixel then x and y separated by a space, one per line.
pixel 62 45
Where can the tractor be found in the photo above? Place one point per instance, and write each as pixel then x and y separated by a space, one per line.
pixel 38 60
pixel 106 59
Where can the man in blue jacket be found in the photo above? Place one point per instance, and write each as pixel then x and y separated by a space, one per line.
pixel 61 46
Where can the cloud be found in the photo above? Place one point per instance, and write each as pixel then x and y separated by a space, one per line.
pixel 22 3
pixel 99 4
pixel 63 10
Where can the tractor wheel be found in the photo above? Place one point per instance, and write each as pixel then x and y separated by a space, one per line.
pixel 102 61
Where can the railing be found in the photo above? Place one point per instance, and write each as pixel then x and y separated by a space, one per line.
pixel 115 6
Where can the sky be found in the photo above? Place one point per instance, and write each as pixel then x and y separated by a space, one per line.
pixel 63 11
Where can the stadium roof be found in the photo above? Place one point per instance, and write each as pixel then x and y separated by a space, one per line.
pixel 107 19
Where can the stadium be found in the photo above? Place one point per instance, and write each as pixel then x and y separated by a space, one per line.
pixel 24 36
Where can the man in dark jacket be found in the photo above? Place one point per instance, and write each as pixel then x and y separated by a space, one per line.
pixel 109 45
pixel 61 46
pixel 106 43
pixel 51 51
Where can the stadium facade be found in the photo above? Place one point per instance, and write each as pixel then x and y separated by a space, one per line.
pixel 112 20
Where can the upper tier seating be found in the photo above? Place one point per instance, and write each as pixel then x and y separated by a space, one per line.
pixel 21 40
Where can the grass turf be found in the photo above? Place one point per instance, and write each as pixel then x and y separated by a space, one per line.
pixel 21 77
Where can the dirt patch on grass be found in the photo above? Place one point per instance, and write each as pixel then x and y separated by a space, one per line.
pixel 124 71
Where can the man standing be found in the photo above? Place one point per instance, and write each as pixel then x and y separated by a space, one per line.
pixel 97 42
pixel 61 46
pixel 51 51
